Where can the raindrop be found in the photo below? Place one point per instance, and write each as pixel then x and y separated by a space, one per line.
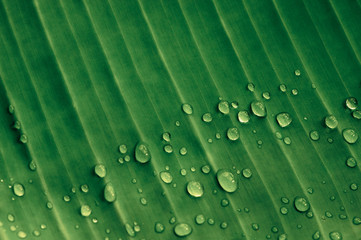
pixel 109 193
pixel 258 109
pixel 223 107
pixel 247 173
pixel 195 189
pixel 283 88
pixel 284 210
pixel 350 135
pixel 183 151
pixel 123 149
pixel 100 170
pixel 297 72
pixel 166 177
pixel 287 140
pixel 351 103
pixel 206 169
pixel 85 210
pixel 356 220
pixel 166 136
pixel 226 180
pixel 142 153
pixel 168 148
pixel 232 134
pixel 301 204
pixel 314 135
pixel 356 114
pixel 335 236
pixel 243 116
pixel 284 119
pixel 18 189
pixel 84 188
pixel 331 121
pixel 200 219
pixel 182 229
pixel 187 108
pixel 207 117
pixel 250 87
pixel 266 95
pixel 158 227
pixel 294 92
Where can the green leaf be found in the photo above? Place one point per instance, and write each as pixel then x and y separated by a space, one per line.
pixel 215 119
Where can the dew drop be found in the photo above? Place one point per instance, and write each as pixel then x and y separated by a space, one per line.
pixel 284 210
pixel 243 117
pixel 183 151
pixel 49 205
pixel 100 170
pixel 335 236
pixel 66 198
pixel 85 210
pixel 234 104
pixel 182 229
pixel 351 103
pixel 314 135
pixel 331 121
pixel 356 114
pixel 224 225
pixel 187 108
pixel 32 166
pixel 226 180
pixel 11 218
pixel 284 119
pixel 18 189
pixel 223 107
pixel 195 189
pixel 158 227
pixel 287 140
pixel 356 221
pixel 283 88
pixel 224 202
pixel 353 186
pixel 109 192
pixel 142 153
pixel 285 200
pixel 274 229
pixel 166 136
pixel 183 172
pixel 143 201
pixel 350 135
pixel 250 87
pixel 166 177
pixel 266 95
pixel 247 173
pixel 17 125
pixel 294 92
pixel 22 234
pixel 351 162
pixel 84 188
pixel 282 237
pixel 200 219
pixel 232 134
pixel 172 220
pixel 206 169
pixel 207 117
pixel 258 109
pixel 297 72
pixel 168 148
pixel 301 204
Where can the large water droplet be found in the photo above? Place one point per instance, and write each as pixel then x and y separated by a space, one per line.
pixel 258 109
pixel 158 227
pixel 301 204
pixel 207 117
pixel 18 189
pixel 284 119
pixel 243 116
pixel 232 134
pixel 85 210
pixel 350 135
pixel 195 189
pixel 223 107
pixel 166 177
pixel 335 236
pixel 100 170
pixel 187 108
pixel 351 103
pixel 109 193
pixel 226 180
pixel 142 153
pixel 182 229
pixel 331 122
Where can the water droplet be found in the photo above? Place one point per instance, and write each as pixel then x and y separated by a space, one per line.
pixel 282 237
pixel 351 162
pixel 224 225
pixel 187 108
pixel 247 173
pixel 285 200
pixel 200 219
pixel 284 210
pixel 84 188
pixel 342 216
pixel 218 136
pixel 284 119
pixel 11 109
pixel 94 220
pixel 166 177
pixel 266 95
pixel 335 236
pixel 168 148
pixel 232 134
pixel 23 138
pixel 11 218
pixel 353 186
pixel 331 121
pixel 193 169
pixel 195 189
pixel 356 114
pixel 224 202
pixel 123 149
pixel 182 229
pixel 85 210
pixel 183 172
pixel 287 140
pixel 36 233
pixel 207 117
pixel 22 234
pixel 316 235
pixel 158 227
pixel 258 109
pixel 43 226
pixel 328 214
pixel 172 220
pixel 278 135
pixel 100 170
pixel 129 230
pixel 177 123
pixel 234 104
pixel 356 220
pixel 274 229
pixel 301 204
pixel 250 87
pixel 297 72
pixel 49 205
pixel 109 193
pixel 206 169
pixel 223 107
pixel 210 221
pixel 226 180
pixel 255 226
pixel 314 135
pixel 310 190
pixel 283 88
pixel 142 153
pixel 350 135
pixel 243 117
pixel 143 201
pixel 18 189
pixel 66 198
pixel 294 92
pixel 127 158
pixel 183 151
pixel 17 125
pixel 166 136
pixel 351 103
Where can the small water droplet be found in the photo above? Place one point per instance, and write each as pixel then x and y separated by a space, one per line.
pixel 142 153
pixel 247 173
pixel 274 229
pixel 183 172
pixel 232 134
pixel 297 72
pixel 266 95
pixel 84 188
pixel 351 103
pixel 284 210
pixel 218 136
pixel 226 180
pixel 207 117
pixel 23 138
pixel 301 204
pixel 234 104
pixel 243 117
pixel 166 136
pixel 285 200
pixel 32 166
pixel 129 230
pixel 66 198
pixel 224 202
pixel 100 170
pixel 258 109
pixel 172 220
pixel 177 123
pixel 287 140
pixel 109 192
pixel 22 234
pixel 284 119
pixel 250 87
pixel 49 205
pixel 342 216
pixel 200 219
pixel 168 148
pixel 351 162
pixel 356 221
pixel 353 186
pixel 356 114
pixel 255 226
pixel 350 135
pixel 195 189
pixel 328 214
pixel 314 135
pixel 210 221
pixel 158 227
pixel 166 177
pixel 224 225
pixel 294 92
pixel 17 125
pixel 282 237
pixel 283 88
pixel 187 108
pixel 85 210
pixel 18 189
pixel 11 218
pixel 335 236
pixel 206 169
pixel 182 229
pixel 143 201
pixel 36 233
pixel 11 109
pixel 123 149
pixel 223 107
pixel 310 190
pixel 316 235
pixel 331 121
